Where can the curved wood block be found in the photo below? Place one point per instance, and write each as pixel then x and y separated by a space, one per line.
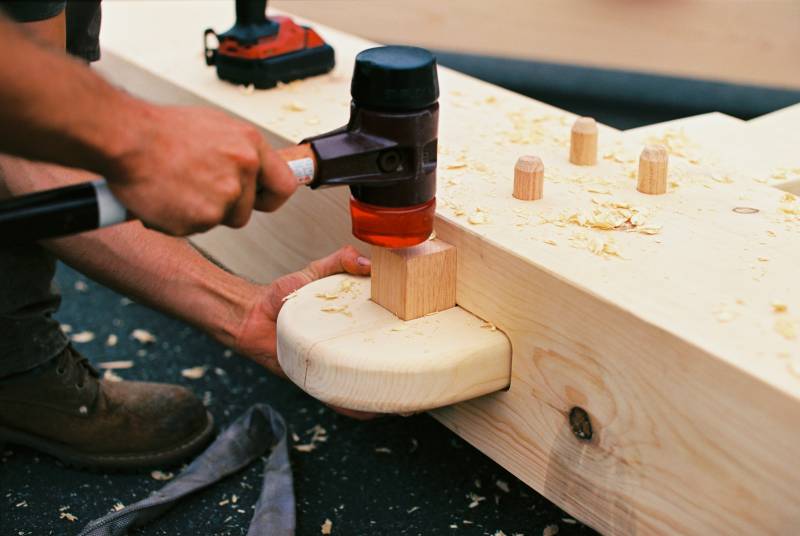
pixel 344 349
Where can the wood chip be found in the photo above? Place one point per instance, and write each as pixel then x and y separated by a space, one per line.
pixel 111 376
pixel 117 507
pixel 111 340
pixel 115 365
pixel 383 450
pixel 81 286
pixel 326 527
pixel 786 328
pixel 65 328
pixel 489 326
pixel 194 373
pixel 502 486
pixel 161 475
pixel 294 106
pixel 143 336
pixel 342 309
pixel 69 517
pixel 550 530
pixel 82 337
pixel 779 307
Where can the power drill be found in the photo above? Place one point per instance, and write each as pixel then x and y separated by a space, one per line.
pixel 261 51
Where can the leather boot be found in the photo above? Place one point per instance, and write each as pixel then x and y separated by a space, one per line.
pixel 62 408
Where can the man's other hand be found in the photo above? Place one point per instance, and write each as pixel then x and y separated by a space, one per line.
pixel 191 169
pixel 257 338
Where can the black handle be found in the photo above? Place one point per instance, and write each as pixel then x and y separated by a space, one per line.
pixel 48 214
pixel 251 12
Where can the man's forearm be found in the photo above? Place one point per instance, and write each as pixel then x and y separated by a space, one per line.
pixel 157 270
pixel 47 96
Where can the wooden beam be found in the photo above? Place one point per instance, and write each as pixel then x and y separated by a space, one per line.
pixel 742 42
pixel 652 314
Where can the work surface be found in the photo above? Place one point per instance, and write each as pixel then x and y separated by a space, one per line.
pixel 390 476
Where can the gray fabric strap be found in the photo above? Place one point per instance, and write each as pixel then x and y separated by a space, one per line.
pixel 246 439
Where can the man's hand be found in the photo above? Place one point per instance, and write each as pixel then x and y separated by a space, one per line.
pixel 195 168
pixel 257 337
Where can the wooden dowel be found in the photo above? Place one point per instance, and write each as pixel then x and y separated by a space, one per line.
pixel 583 142
pixel 528 178
pixel 653 164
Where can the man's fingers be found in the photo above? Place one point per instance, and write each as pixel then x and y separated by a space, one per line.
pixel 346 259
pixel 276 181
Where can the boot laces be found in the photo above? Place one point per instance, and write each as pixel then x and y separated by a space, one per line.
pixel 75 368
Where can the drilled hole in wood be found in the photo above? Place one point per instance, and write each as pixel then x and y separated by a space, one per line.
pixel 745 210
pixel 580 423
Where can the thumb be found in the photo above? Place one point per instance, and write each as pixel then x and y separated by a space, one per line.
pixel 346 259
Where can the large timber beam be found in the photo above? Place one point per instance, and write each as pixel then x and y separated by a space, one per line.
pixel 651 387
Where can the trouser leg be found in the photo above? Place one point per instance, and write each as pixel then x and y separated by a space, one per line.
pixel 29 335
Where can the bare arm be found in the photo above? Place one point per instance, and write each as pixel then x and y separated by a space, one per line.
pixel 179 169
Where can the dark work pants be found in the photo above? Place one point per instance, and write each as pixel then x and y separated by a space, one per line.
pixel 29 335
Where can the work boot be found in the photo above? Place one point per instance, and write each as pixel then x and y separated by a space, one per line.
pixel 64 409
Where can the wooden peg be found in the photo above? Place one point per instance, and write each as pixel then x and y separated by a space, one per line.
pixel 528 178
pixel 413 282
pixel 653 170
pixel 583 142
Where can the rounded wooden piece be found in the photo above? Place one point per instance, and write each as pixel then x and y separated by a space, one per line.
pixel 653 164
pixel 528 178
pixel 344 349
pixel 583 142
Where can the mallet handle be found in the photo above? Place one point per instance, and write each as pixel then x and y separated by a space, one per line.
pixel 92 205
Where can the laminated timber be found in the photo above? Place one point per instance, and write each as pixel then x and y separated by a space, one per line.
pixel 674 332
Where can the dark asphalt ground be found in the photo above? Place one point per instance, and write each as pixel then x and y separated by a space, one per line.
pixel 390 476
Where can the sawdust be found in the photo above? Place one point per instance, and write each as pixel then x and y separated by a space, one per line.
pixel 475 500
pixel 318 435
pixel 115 365
pixel 341 309
pixel 82 337
pixel 143 336
pixel 194 373
pixel 161 475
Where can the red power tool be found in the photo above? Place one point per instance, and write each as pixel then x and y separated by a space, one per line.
pixel 260 51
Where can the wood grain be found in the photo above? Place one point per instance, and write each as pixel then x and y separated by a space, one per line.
pixel 661 325
pixel 413 282
pixel 346 350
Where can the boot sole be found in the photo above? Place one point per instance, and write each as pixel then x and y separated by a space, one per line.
pixel 113 462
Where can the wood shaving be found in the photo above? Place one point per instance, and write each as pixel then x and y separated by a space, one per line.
pixel 234 498
pixel 294 106
pixel 489 326
pixel 224 502
pixel 111 340
pixel 318 435
pixel 779 307
pixel 676 142
pixel 111 376
pixel 143 336
pixel 477 218
pixel 161 475
pixel 65 328
pixel 337 309
pixel 82 337
pixel 383 450
pixel 401 327
pixel 326 527
pixel 81 286
pixel 599 246
pixel 194 373
pixel 117 507
pixel 115 365
pixel 475 500
pixel 69 517
pixel 550 530
pixel 786 328
pixel 550 242
pixel 502 485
